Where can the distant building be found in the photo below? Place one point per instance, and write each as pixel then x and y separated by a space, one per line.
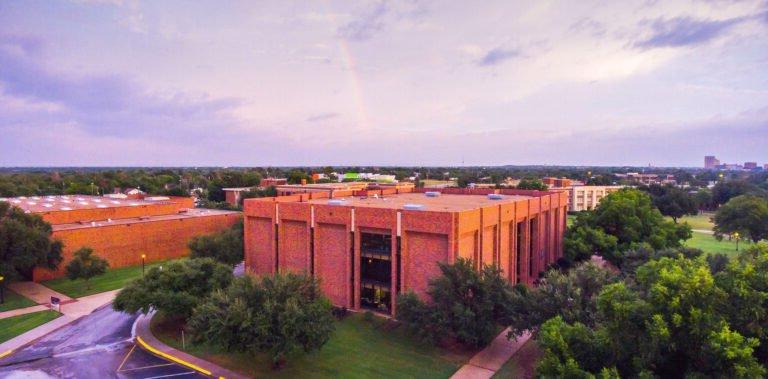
pixel 750 165
pixel 710 162
pixel 765 167
pixel 583 198
pixel 120 229
pixel 647 179
pixel 271 182
pixel 233 195
pixel 557 182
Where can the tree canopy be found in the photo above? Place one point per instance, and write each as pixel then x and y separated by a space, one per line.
pixel 745 214
pixel 225 246
pixel 623 220
pixel 86 265
pixel 25 243
pixel 175 288
pixel 465 304
pixel 532 184
pixel 673 201
pixel 276 314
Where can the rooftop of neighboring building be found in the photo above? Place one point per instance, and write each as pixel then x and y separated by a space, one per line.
pixel 42 204
pixel 426 201
pixel 186 214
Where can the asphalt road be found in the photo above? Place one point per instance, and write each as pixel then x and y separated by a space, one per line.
pixel 96 346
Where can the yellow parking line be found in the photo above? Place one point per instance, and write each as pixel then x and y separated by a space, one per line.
pixel 5 354
pixel 172 358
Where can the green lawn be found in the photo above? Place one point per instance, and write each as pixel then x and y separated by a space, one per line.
pixel 111 280
pixel 13 326
pixel 700 221
pixel 14 301
pixel 710 245
pixel 357 349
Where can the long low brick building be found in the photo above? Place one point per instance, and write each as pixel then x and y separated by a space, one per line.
pixel 121 230
pixel 368 246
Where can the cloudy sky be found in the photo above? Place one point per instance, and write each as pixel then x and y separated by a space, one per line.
pixel 386 83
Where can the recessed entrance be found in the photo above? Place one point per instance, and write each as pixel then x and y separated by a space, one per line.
pixel 376 271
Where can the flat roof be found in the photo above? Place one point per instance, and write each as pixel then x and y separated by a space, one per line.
pixel 41 204
pixel 191 213
pixel 440 203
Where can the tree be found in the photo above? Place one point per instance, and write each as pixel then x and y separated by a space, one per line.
pixel 727 190
pixel 465 304
pixel 745 214
pixel 672 201
pixel 175 289
pixel 532 184
pixel 25 243
pixel 665 322
pixel 571 296
pixel 628 216
pixel 276 314
pixel 225 246
pixel 86 265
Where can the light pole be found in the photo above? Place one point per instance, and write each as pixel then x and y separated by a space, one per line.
pixel 2 290
pixel 736 236
pixel 143 258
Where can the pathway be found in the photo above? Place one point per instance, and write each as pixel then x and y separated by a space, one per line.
pixel 23 311
pixel 485 363
pixel 37 292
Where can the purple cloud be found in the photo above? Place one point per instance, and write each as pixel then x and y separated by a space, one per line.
pixel 366 25
pixel 685 31
pixel 322 117
pixel 498 55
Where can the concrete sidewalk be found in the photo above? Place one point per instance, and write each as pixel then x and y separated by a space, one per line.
pixel 23 311
pixel 36 292
pixel 485 363
pixel 71 312
pixel 147 341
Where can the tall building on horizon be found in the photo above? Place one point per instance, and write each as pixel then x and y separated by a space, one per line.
pixel 711 162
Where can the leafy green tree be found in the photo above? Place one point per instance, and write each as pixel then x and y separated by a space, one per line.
pixel 745 214
pixel 276 314
pixel 672 201
pixel 745 282
pixel 86 265
pixel 532 184
pixel 665 322
pixel 25 243
pixel 175 289
pixel 225 246
pixel 465 304
pixel 727 190
pixel 571 296
pixel 630 217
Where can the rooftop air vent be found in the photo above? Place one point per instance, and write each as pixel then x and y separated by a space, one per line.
pixel 432 194
pixel 336 202
pixel 495 196
pixel 413 207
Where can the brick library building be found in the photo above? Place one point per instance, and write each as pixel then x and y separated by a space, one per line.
pixel 367 246
pixel 122 230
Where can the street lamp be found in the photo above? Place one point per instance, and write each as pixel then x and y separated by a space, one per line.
pixel 736 236
pixel 2 294
pixel 143 258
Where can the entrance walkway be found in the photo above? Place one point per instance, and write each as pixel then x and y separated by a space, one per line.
pixel 36 292
pixel 485 363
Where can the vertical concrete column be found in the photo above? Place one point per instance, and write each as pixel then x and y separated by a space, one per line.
pixel 356 264
pixel 394 273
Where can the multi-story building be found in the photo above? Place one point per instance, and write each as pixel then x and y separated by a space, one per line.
pixel 232 195
pixel 366 247
pixel 582 198
pixel 710 162
pixel 557 182
pixel 750 165
pixel 122 230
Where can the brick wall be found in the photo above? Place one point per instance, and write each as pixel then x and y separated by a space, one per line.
pixel 123 244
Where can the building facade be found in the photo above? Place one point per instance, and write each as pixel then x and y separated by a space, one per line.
pixel 710 162
pixel 583 198
pixel 366 247
pixel 122 230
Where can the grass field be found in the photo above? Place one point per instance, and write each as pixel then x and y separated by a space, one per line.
pixel 357 349
pixel 710 245
pixel 701 221
pixel 13 326
pixel 111 280
pixel 14 301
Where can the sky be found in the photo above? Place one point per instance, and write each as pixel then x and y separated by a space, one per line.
pixel 415 83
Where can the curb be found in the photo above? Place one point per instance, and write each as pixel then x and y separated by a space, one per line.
pixel 147 341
